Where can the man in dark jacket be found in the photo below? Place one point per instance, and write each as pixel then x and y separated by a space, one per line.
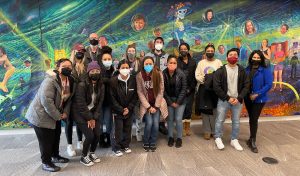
pixel 231 84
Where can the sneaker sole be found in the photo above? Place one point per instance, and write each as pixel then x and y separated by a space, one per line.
pixel 87 164
pixel 97 161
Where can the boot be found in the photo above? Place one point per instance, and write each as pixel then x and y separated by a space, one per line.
pixel 184 128
pixel 188 128
pixel 251 144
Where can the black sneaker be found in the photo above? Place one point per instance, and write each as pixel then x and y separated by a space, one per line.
pixel 50 167
pixel 171 142
pixel 162 128
pixel 86 161
pixel 152 147
pixel 146 147
pixel 178 143
pixel 59 159
pixel 94 158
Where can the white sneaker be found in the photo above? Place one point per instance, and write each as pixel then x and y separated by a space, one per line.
pixel 219 143
pixel 94 158
pixel 79 145
pixel 118 153
pixel 127 150
pixel 235 143
pixel 71 152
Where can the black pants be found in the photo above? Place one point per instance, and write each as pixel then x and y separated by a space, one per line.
pixel 48 141
pixel 189 107
pixel 122 132
pixel 69 130
pixel 91 137
pixel 254 110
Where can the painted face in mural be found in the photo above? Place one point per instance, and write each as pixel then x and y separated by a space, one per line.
pixel 264 43
pixel 283 29
pixel 139 24
pixel 157 32
pixel 221 49
pixel 249 28
pixel 181 13
pixel 209 16
pixel 279 47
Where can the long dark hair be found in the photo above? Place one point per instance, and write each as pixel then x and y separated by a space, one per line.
pixel 262 58
pixel 156 79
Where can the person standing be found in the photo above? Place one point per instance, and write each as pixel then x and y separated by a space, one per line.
pixel 50 105
pixel 206 96
pixel 261 80
pixel 150 89
pixel 187 64
pixel 93 51
pixel 231 84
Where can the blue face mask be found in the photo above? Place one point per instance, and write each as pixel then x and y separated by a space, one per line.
pixel 148 68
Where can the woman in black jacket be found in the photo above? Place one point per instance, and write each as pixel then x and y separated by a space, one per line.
pixel 188 65
pixel 175 94
pixel 86 112
pixel 124 97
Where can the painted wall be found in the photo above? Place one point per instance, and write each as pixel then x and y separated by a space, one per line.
pixel 35 32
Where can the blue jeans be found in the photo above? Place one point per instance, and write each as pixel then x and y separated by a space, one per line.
pixel 222 108
pixel 175 114
pixel 107 118
pixel 151 127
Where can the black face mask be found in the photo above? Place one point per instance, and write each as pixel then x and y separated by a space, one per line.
pixel 79 55
pixel 183 53
pixel 95 76
pixel 66 71
pixel 94 42
pixel 210 55
pixel 256 62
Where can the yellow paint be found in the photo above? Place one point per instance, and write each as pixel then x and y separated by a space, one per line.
pixel 291 87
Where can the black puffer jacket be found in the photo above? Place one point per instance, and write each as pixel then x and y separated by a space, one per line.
pixel 180 89
pixel 123 95
pixel 83 97
pixel 106 77
pixel 189 70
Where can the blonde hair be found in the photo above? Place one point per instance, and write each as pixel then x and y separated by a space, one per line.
pixel 79 64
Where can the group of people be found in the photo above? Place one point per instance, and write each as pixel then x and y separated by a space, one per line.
pixel 157 90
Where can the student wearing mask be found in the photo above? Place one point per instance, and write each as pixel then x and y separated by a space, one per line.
pixel 93 51
pixel 206 96
pixel 86 109
pixel 175 94
pixel 79 74
pixel 150 89
pixel 124 97
pixel 108 72
pixel 187 64
pixel 261 80
pixel 50 105
pixel 231 84
pixel 160 60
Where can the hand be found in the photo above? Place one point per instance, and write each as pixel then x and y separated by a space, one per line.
pixel 125 111
pixel 64 116
pixel 91 124
pixel 152 110
pixel 235 102
pixel 174 105
pixel 253 96
pixel 231 100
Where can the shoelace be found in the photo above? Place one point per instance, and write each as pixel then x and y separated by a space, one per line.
pixel 94 156
pixel 87 159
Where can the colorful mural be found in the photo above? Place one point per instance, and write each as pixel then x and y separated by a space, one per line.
pixel 33 33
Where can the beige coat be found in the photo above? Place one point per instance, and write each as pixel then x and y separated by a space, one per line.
pixel 160 102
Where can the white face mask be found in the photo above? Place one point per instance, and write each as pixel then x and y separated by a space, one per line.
pixel 107 63
pixel 158 46
pixel 124 72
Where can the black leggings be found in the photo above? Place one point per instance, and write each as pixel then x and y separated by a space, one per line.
pixel 69 130
pixel 91 137
pixel 254 110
